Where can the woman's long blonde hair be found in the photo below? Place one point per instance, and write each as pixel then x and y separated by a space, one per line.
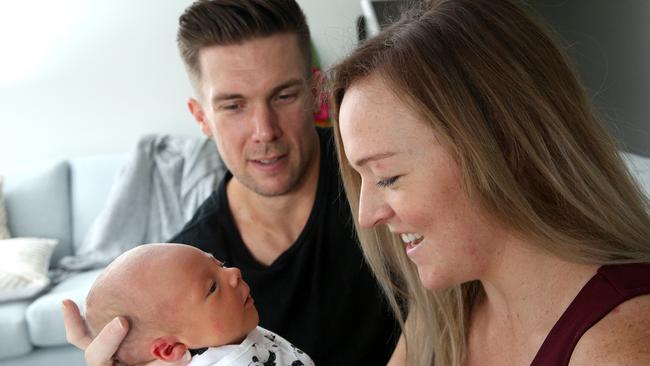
pixel 502 96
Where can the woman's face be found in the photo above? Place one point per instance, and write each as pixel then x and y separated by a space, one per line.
pixel 411 183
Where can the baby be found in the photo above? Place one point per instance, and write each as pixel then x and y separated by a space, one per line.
pixel 176 298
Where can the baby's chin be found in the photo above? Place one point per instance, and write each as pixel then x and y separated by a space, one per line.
pixel 252 322
pixel 254 319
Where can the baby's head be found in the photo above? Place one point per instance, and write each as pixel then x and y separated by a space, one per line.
pixel 175 297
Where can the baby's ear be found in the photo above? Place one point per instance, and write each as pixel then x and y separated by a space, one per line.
pixel 168 349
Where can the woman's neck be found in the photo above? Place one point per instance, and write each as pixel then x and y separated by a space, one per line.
pixel 525 293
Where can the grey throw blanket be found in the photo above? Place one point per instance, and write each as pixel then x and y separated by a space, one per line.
pixel 164 182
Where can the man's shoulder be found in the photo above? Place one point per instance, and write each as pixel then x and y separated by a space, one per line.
pixel 329 160
pixel 326 139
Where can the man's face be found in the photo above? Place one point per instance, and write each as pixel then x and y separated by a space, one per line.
pixel 255 101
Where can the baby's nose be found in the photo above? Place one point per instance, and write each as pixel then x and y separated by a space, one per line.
pixel 234 276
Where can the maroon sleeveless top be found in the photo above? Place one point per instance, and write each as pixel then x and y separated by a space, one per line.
pixel 609 287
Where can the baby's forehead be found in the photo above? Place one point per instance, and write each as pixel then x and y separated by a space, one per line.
pixel 190 260
pixel 191 253
pixel 168 263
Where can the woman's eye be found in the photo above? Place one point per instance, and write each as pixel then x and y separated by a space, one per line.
pixel 385 183
pixel 213 288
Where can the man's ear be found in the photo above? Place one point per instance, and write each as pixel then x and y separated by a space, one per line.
pixel 168 349
pixel 199 115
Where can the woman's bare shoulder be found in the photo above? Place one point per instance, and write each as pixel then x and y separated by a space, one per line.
pixel 622 337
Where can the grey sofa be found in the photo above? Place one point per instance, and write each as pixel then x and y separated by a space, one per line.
pixel 60 201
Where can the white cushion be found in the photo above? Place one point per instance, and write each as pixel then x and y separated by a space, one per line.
pixel 4 231
pixel 23 266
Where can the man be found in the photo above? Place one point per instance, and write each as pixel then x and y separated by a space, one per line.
pixel 279 214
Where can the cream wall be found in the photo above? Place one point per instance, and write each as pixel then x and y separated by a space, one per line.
pixel 84 77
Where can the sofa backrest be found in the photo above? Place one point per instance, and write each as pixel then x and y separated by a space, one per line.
pixel 60 200
pixel 38 205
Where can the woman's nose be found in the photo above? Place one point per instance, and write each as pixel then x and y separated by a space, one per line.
pixel 373 210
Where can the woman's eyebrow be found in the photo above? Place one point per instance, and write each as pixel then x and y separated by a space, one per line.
pixel 373 157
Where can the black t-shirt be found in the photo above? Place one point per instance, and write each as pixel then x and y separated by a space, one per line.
pixel 319 294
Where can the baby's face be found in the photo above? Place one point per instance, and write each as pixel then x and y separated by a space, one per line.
pixel 214 303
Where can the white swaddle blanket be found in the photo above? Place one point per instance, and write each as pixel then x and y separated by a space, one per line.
pixel 261 347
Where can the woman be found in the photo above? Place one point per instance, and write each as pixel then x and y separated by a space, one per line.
pixel 489 200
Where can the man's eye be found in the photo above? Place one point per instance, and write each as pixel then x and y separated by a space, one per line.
pixel 285 98
pixel 230 107
pixel 385 183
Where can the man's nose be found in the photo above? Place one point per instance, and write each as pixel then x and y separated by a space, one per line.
pixel 373 210
pixel 265 122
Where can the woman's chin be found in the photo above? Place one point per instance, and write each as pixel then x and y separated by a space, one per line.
pixel 432 281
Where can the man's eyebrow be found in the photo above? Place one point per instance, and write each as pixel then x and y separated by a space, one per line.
pixel 373 157
pixel 287 84
pixel 226 96
pixel 230 96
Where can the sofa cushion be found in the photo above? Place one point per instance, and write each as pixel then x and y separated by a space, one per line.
pixel 23 267
pixel 13 330
pixel 44 315
pixel 38 205
pixel 50 356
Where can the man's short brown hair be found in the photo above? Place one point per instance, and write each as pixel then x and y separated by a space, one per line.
pixel 227 22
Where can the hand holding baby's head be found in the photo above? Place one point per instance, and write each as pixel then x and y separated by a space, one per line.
pixel 176 297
